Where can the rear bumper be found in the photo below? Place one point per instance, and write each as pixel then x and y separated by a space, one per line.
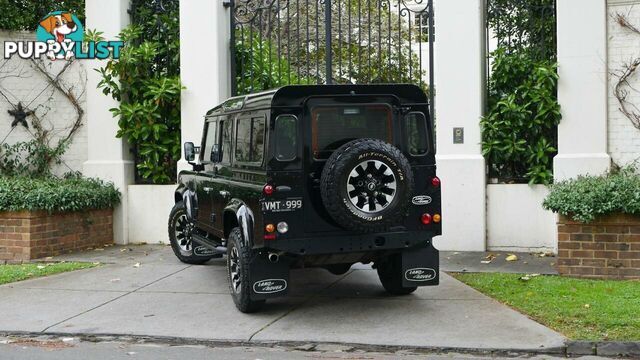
pixel 350 243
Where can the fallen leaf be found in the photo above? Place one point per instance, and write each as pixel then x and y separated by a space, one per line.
pixel 99 249
pixel 96 263
pixel 123 250
pixel 512 257
pixel 137 265
pixel 114 280
pixel 41 267
pixel 485 262
pixel 525 278
pixel 69 339
pixel 586 306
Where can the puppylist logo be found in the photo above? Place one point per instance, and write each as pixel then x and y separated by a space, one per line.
pixel 60 36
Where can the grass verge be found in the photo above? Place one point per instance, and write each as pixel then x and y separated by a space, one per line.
pixel 13 273
pixel 580 309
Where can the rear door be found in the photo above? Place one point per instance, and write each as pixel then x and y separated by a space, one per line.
pixel 329 124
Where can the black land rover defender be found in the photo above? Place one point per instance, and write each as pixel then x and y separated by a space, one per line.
pixel 312 176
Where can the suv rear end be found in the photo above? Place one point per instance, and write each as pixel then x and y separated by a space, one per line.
pixel 352 178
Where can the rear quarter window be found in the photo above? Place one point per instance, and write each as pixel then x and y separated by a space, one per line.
pixel 415 126
pixel 286 134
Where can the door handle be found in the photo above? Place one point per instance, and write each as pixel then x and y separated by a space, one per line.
pixel 225 194
pixel 207 189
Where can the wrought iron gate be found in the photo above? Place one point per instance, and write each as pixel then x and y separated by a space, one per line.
pixel 281 42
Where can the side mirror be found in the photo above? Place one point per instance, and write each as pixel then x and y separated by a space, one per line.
pixel 189 151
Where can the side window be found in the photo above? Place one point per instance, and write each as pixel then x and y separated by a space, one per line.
pixel 416 133
pixel 211 142
pixel 227 130
pixel 286 137
pixel 250 140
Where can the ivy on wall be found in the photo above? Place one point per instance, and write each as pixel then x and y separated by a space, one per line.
pixel 519 132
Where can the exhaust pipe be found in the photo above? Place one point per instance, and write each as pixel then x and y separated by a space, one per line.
pixel 273 257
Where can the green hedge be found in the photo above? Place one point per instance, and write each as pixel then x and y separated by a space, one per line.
pixel 53 194
pixel 588 197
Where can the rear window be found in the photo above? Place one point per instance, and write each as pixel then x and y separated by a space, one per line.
pixel 334 126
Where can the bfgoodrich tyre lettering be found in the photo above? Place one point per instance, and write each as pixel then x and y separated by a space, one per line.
pixel 367 185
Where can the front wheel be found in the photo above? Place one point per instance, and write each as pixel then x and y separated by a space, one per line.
pixel 238 262
pixel 180 230
pixel 390 274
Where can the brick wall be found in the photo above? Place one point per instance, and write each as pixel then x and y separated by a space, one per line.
pixel 28 86
pixel 607 248
pixel 31 235
pixel 623 47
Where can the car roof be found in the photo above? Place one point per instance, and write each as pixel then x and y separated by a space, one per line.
pixel 296 95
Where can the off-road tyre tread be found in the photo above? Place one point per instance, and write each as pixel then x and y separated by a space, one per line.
pixel 333 201
pixel 179 208
pixel 243 301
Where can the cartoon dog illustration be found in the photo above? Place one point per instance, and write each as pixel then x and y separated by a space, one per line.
pixel 59 26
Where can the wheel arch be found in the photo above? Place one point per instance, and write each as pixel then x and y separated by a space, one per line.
pixel 238 214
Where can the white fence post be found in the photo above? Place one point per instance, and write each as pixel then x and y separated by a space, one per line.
pixel 582 88
pixel 204 63
pixel 460 75
pixel 108 157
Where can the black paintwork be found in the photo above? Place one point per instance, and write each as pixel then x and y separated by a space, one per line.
pixel 229 194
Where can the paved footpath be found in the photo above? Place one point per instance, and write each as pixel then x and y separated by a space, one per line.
pixel 165 299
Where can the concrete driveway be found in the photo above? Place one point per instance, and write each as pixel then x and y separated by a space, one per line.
pixel 165 298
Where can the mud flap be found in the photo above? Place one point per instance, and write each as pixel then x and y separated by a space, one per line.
pixel 421 266
pixel 268 279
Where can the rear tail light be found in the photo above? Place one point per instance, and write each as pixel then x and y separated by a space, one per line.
pixel 268 190
pixel 270 237
pixel 426 219
pixel 435 181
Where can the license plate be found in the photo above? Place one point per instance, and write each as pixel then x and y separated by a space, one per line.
pixel 291 204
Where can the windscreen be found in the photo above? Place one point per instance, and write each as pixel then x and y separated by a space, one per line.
pixel 334 126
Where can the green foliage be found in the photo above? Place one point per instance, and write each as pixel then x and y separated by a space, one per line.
pixel 581 309
pixel 13 273
pixel 30 159
pixel 26 14
pixel 146 81
pixel 52 194
pixel 519 129
pixel 587 197
pixel 258 67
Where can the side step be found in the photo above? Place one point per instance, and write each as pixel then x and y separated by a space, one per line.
pixel 204 246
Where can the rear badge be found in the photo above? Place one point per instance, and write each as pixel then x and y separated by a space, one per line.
pixel 420 274
pixel 269 286
pixel 421 200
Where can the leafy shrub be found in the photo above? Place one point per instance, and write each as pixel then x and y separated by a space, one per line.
pixel 146 82
pixel 53 194
pixel 519 129
pixel 30 159
pixel 588 197
pixel 25 15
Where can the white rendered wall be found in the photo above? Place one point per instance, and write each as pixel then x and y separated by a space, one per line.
pixel 108 157
pixel 27 85
pixel 623 46
pixel 204 64
pixel 516 220
pixel 460 75
pixel 149 208
pixel 582 88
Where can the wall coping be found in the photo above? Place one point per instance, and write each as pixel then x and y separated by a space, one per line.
pixel 615 218
pixel 33 214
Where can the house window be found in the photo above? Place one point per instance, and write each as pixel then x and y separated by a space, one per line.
pixel 421 24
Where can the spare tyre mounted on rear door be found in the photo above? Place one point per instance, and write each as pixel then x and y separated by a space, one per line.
pixel 367 185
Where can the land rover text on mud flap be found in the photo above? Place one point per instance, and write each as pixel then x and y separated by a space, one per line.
pixel 312 176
